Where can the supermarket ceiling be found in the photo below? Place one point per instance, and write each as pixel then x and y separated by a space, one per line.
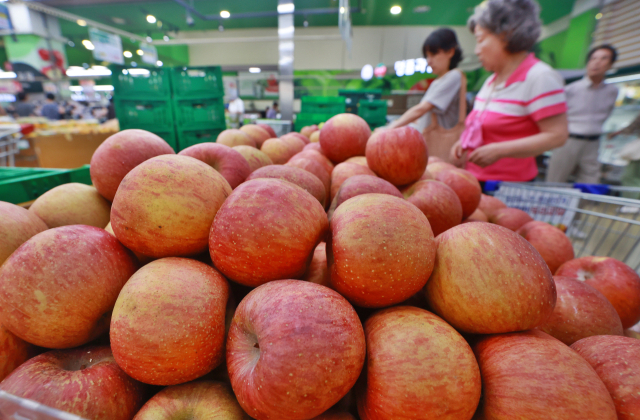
pixel 131 15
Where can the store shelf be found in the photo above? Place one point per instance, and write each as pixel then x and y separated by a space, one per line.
pixel 20 185
pixel 187 138
pixel 196 82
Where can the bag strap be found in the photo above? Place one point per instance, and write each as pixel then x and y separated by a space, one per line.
pixel 463 98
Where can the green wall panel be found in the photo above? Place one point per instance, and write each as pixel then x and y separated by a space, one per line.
pixel 578 39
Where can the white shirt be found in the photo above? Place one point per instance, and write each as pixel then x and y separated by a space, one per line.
pixel 236 106
pixel 444 95
pixel 589 106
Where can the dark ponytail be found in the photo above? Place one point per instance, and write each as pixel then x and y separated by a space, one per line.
pixel 443 39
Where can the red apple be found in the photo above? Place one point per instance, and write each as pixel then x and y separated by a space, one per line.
pixel 314 146
pixel 294 350
pixel 531 375
pixel 551 243
pixel 362 184
pixel 308 130
pixel 167 325
pixel 317 156
pixel 345 170
pixel 381 250
pixel 512 219
pixel 438 202
pixel 298 136
pixel 228 162
pixel 255 158
pixel 258 134
pixel 165 206
pixel 418 367
pixel 334 415
pixel 618 282
pixel 303 179
pixel 489 280
pixel 399 155
pixel 344 136
pixel 436 167
pixel 142 259
pixel 201 399
pixel 119 154
pixel 313 166
pixel 86 382
pixel 616 360
pixel 266 230
pixel 279 151
pixel 13 352
pixel 318 271
pixel 268 129
pixel 434 159
pixel 465 185
pixel 295 142
pixel 489 205
pixel 360 160
pixel 234 137
pixel 581 311
pixel 426 176
pixel 478 216
pixel 315 137
pixel 58 289
pixel 72 204
pixel 17 225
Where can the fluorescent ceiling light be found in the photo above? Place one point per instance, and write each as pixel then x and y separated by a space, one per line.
pixel 623 78
pixel 88 44
pixel 395 10
pixel 139 72
pixel 151 19
pixel 103 88
pixel 94 71
pixel 254 70
pixel 225 14
pixel 140 52
pixel 75 88
pixel 81 22
pixel 342 10
pixel 7 75
pixel 286 8
pixel 159 63
pixel 127 54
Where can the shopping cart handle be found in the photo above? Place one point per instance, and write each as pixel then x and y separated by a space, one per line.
pixel 600 189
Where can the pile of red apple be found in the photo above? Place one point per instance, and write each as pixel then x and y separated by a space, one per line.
pixel 328 274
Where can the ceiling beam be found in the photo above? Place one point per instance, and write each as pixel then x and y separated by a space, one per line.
pixel 74 18
pixel 229 40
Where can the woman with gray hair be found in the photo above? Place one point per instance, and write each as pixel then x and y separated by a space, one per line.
pixel 520 112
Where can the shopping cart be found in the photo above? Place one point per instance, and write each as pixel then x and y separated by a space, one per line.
pixel 600 224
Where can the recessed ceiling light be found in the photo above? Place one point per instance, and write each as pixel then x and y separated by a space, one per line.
pixel 421 9
pixel 225 14
pixel 88 44
pixel 599 16
pixel 151 19
pixel 81 22
pixel 127 54
pixel 140 52
pixel 395 10
pixel 159 63
pixel 254 70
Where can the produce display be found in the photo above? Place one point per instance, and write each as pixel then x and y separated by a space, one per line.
pixel 46 127
pixel 332 274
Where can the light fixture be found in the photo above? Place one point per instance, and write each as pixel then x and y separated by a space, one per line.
pixel 139 72
pixel 367 72
pixel 127 54
pixel 140 52
pixel 225 14
pixel 342 10
pixel 151 19
pixel 88 44
pixel 254 70
pixel 395 10
pixel 95 71
pixel 623 78
pixel 81 22
pixel 159 63
pixel 286 8
pixel 75 88
pixel 149 39
pixel 599 16
pixel 103 88
pixel 71 44
pixel 7 75
pixel 166 38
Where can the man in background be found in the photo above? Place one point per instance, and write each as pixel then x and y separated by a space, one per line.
pixel 51 109
pixel 589 102
pixel 272 113
pixel 23 108
pixel 236 111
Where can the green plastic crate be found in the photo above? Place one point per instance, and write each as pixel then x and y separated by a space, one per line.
pixel 168 135
pixel 187 138
pixel 196 82
pixel 151 115
pixel 323 105
pixel 304 119
pixel 20 185
pixel 373 111
pixel 154 85
pixel 354 96
pixel 199 114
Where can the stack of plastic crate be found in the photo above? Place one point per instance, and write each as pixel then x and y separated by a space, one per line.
pixel 318 109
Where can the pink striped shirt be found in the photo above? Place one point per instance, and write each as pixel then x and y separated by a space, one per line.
pixel 533 92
